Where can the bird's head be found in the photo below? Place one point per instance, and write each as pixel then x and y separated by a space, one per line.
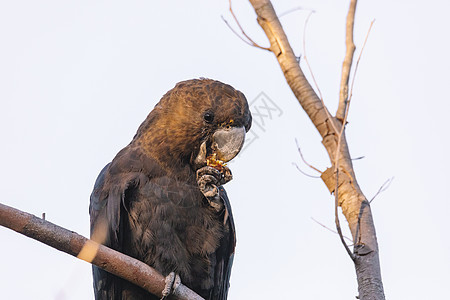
pixel 198 121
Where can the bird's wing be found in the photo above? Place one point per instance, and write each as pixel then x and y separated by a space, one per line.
pixel 108 206
pixel 225 253
pixel 104 285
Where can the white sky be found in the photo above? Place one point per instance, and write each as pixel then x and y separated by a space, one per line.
pixel 77 78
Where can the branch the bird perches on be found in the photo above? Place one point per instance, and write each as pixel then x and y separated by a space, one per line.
pixel 74 244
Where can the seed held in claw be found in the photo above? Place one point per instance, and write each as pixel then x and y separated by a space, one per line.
pixel 217 164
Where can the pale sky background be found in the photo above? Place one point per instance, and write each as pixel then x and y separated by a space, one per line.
pixel 78 77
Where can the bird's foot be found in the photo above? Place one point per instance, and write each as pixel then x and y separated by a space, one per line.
pixel 172 282
pixel 208 180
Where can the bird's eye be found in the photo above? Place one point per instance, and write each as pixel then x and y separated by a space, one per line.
pixel 208 117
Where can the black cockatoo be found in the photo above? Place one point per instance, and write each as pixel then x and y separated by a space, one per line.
pixel 161 198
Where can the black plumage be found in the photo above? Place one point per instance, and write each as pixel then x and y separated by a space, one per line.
pixel 147 202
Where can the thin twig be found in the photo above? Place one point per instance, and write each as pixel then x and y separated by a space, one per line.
pixel 344 122
pixel 336 218
pixel 249 40
pixel 304 173
pixel 306 163
pixel 336 196
pixel 329 229
pixel 231 28
pixel 294 9
pixel 358 233
pixel 350 19
pixel 359 58
pixel 382 188
pixel 358 158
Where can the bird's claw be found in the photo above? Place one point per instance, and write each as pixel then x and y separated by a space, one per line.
pixel 172 282
pixel 208 180
pixel 221 177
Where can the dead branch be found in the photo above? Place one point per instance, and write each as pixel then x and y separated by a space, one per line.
pixel 76 245
pixel 303 172
pixel 306 163
pixel 359 58
pixel 331 230
pixel 382 188
pixel 248 40
pixel 344 104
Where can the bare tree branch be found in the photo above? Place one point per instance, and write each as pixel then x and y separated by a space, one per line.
pixel 74 244
pixel 248 39
pixel 382 188
pixel 306 163
pixel 242 39
pixel 359 58
pixel 331 230
pixel 303 172
pixel 350 198
pixel 348 59
pixel 293 10
pixel 344 104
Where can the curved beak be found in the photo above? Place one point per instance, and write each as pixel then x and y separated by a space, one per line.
pixel 227 142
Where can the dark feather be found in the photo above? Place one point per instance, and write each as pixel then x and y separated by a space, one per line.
pixel 225 253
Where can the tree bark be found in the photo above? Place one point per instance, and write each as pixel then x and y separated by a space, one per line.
pixel 74 244
pixel 354 204
pixel 347 64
